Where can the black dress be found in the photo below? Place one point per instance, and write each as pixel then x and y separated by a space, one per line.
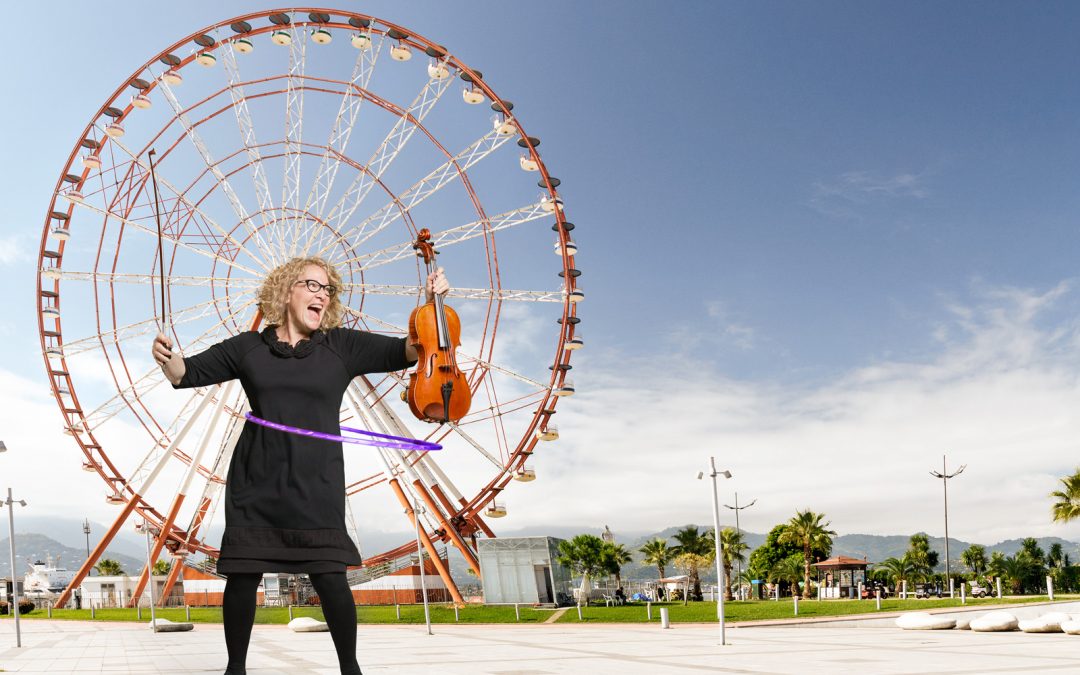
pixel 285 493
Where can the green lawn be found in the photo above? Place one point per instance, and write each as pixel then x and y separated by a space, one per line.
pixel 280 615
pixel 766 609
pixel 634 613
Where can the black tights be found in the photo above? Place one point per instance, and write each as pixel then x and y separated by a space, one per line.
pixel 337 606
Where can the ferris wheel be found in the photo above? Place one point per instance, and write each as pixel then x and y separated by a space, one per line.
pixel 292 133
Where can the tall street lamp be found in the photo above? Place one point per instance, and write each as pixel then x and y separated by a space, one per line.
pixel 944 475
pixel 86 531
pixel 713 473
pixel 738 561
pixel 11 544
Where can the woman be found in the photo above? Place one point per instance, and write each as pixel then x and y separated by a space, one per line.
pixel 285 493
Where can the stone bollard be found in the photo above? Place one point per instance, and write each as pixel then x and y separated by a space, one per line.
pixel 397 609
pixel 1050 587
pixel 877 597
pixel 91 610
pixel 963 594
pixel 776 593
pixel 579 613
pixel 138 611
pixel 517 612
pixel 903 589
pixel 290 613
pixel 187 613
pixel 665 621
pixel 796 599
pixel 859 596
pixel 648 610
pixel 456 617
pixel 952 588
pixel 997 580
pixel 48 609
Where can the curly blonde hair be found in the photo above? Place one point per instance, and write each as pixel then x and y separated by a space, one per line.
pixel 274 292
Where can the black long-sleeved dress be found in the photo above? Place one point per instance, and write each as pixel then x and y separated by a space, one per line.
pixel 285 493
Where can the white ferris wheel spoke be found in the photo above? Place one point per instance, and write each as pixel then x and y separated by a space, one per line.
pixel 152 460
pixel 424 188
pixel 175 240
pixel 171 280
pixel 395 466
pixel 294 132
pixel 182 197
pixel 342 130
pixel 247 133
pixel 226 187
pixel 459 355
pixel 215 477
pixel 452 236
pixel 499 294
pixel 122 334
pixel 384 156
pixel 146 383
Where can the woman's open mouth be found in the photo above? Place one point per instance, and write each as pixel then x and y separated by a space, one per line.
pixel 315 313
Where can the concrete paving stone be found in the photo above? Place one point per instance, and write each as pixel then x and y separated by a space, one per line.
pixel 807 649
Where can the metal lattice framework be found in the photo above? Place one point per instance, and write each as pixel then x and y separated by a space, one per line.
pixel 285 152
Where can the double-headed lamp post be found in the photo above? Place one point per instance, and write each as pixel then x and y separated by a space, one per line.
pixel 944 475
pixel 738 561
pixel 713 473
pixel 11 544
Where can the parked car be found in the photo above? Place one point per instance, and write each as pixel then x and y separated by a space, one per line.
pixel 928 590
pixel 978 591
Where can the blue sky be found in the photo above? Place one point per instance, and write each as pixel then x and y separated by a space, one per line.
pixel 793 218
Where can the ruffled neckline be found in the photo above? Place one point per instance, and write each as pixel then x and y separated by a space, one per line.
pixel 285 350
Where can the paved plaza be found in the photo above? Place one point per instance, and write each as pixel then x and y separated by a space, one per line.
pixel 863 646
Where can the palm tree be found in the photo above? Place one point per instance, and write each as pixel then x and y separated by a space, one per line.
pixel 924 559
pixel 1015 569
pixel 1067 506
pixel 789 569
pixel 108 567
pixel 807 530
pixel 898 569
pixel 657 552
pixel 732 547
pixel 696 543
pixel 975 559
pixel 583 554
pixel 615 556
pixel 995 567
pixel 1056 556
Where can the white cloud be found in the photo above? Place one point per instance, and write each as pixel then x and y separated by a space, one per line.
pixel 1003 399
pixel 1001 396
pixel 851 192
pixel 14 248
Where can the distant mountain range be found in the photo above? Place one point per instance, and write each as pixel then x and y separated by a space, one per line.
pixel 31 547
pixel 39 536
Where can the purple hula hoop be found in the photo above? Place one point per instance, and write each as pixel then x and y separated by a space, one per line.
pixel 372 438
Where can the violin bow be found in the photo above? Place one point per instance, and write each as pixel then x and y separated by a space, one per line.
pixel 161 252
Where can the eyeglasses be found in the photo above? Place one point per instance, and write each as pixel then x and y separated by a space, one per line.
pixel 315 286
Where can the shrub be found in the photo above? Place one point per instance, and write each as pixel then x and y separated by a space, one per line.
pixel 25 606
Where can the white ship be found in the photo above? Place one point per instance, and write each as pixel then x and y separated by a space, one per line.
pixel 45 577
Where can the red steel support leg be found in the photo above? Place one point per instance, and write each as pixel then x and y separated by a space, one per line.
pixel 98 551
pixel 451 531
pixel 426 540
pixel 174 573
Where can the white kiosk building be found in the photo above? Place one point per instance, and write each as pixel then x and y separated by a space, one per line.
pixel 523 570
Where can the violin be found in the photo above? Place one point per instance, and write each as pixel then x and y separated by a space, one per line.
pixel 438 390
